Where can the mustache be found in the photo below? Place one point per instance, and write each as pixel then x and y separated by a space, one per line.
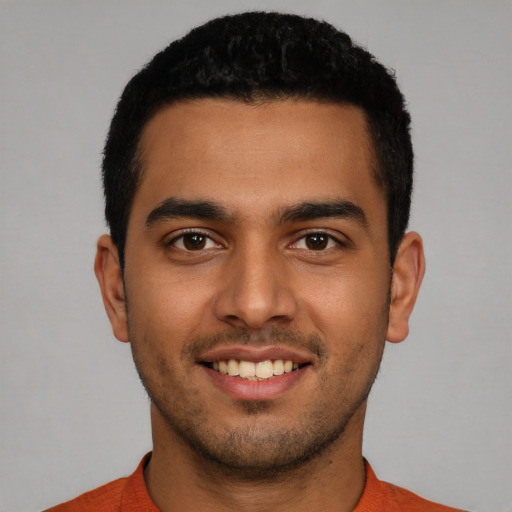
pixel 267 336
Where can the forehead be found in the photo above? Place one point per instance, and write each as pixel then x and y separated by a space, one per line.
pixel 277 151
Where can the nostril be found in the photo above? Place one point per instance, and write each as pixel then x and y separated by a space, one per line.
pixel 253 299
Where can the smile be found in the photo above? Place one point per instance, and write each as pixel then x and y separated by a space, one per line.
pixel 251 370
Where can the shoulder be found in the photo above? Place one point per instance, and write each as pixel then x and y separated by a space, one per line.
pixel 385 497
pixel 127 494
pixel 106 498
pixel 407 500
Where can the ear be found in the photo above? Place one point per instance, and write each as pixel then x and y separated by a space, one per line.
pixel 110 278
pixel 408 271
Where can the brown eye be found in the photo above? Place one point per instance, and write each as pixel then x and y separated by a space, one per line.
pixel 194 241
pixel 317 241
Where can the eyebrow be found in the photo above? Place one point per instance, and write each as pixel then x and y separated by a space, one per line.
pixel 173 208
pixel 339 208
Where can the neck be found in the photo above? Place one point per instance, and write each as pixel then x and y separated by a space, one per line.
pixel 178 479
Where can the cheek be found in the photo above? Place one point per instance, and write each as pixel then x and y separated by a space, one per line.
pixel 350 311
pixel 166 307
pixel 347 302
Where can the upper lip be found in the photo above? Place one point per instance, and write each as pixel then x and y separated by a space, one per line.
pixel 255 354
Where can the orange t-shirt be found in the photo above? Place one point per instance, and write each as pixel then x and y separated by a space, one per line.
pixel 130 495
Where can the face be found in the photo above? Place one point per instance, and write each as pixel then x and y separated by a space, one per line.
pixel 257 277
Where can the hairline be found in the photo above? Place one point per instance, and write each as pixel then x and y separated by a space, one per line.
pixel 257 99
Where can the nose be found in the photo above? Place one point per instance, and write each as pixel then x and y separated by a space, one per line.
pixel 256 291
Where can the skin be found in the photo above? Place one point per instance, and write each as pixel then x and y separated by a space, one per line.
pixel 260 277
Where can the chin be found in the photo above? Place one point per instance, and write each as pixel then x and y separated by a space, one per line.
pixel 261 449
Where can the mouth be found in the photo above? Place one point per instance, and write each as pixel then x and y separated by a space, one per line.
pixel 254 370
pixel 249 372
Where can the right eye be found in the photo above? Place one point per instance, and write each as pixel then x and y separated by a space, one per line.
pixel 316 242
pixel 194 241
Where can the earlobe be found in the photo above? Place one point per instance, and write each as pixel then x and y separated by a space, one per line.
pixel 110 278
pixel 408 271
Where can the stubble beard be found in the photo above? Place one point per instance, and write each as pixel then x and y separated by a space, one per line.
pixel 254 454
pixel 257 450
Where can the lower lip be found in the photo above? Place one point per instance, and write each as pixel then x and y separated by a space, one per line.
pixel 243 389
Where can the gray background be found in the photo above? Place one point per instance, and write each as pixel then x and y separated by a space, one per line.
pixel 73 414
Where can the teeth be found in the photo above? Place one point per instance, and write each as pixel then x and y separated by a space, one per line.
pixel 233 368
pixel 264 370
pixel 246 369
pixel 278 366
pixel 255 371
pixel 223 367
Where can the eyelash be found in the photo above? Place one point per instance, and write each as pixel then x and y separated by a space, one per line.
pixel 191 232
pixel 328 238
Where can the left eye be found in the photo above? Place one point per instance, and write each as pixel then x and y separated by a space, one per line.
pixel 316 242
pixel 194 242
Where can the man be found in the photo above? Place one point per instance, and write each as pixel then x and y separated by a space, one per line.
pixel 257 177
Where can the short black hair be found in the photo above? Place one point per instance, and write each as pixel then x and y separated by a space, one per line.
pixel 262 55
